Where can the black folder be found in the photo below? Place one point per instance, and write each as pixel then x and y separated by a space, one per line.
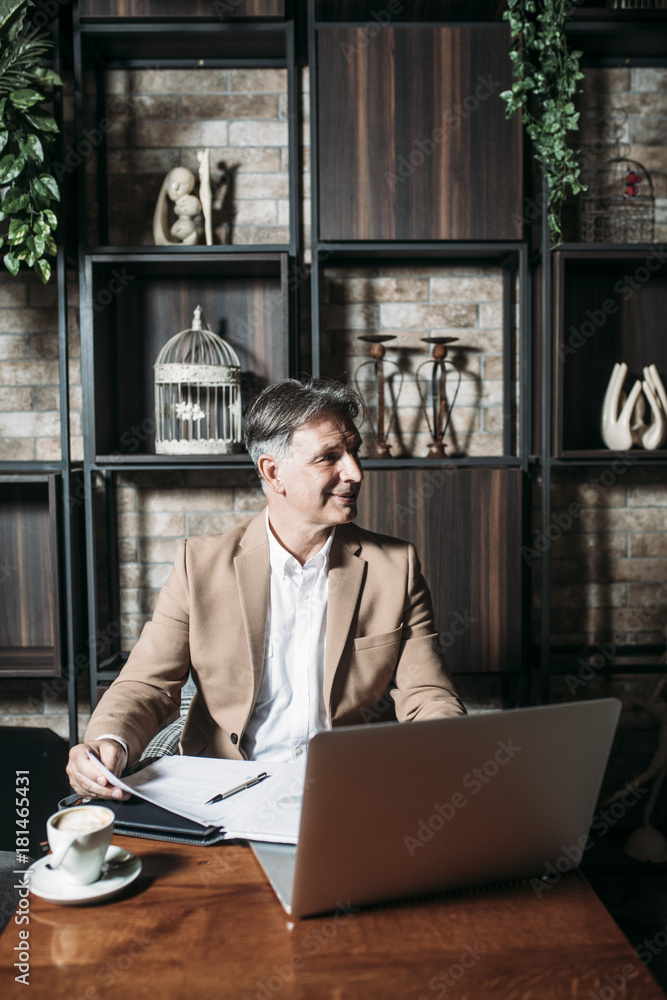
pixel 137 818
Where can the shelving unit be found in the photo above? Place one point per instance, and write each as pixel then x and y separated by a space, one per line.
pixel 599 304
pixel 247 291
pixel 416 177
pixel 403 187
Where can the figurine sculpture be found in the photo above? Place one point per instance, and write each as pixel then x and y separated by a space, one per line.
pixel 177 187
pixel 623 418
pixel 205 194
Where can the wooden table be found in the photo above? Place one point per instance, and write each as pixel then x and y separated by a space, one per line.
pixel 204 922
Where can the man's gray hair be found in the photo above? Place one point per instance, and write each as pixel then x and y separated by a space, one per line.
pixel 284 407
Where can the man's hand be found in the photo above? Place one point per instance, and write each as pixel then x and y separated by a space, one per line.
pixel 86 779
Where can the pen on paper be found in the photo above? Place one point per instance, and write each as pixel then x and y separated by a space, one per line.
pixel 238 788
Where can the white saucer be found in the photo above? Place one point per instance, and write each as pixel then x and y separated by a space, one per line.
pixel 51 885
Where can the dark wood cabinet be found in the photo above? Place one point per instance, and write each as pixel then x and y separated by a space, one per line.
pixel 31 626
pixel 210 9
pixel 466 525
pixel 413 143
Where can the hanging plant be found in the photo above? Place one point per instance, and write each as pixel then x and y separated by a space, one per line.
pixel 26 132
pixel 546 79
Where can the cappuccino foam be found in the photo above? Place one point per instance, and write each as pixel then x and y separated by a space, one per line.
pixel 84 820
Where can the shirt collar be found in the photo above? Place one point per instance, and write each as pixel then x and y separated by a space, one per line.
pixel 282 560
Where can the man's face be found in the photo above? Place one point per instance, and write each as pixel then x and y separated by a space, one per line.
pixel 322 474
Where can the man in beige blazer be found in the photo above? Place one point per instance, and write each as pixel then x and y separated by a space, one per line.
pixel 379 643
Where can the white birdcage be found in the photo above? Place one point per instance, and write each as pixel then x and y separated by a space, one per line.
pixel 197 394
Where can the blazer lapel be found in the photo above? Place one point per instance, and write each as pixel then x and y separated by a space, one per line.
pixel 252 575
pixel 346 575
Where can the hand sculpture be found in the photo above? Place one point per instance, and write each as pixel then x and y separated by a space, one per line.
pixel 616 429
pixel 655 434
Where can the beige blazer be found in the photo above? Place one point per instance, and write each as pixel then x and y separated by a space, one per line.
pixel 381 650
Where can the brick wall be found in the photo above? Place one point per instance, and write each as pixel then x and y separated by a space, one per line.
pixel 29 379
pixel 609 556
pixel 156 511
pixel 410 303
pixel 162 117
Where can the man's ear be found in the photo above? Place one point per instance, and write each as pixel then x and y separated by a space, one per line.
pixel 270 472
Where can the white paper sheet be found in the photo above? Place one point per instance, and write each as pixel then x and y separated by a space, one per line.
pixel 268 811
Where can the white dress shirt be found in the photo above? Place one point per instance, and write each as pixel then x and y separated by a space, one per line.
pixel 290 706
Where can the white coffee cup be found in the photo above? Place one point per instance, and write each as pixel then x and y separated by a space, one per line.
pixel 79 839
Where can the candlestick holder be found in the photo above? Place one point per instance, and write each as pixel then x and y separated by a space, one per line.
pixel 434 399
pixel 381 449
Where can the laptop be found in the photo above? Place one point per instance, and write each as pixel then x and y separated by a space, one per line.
pixel 393 811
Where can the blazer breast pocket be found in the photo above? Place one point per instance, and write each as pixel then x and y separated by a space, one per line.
pixel 363 642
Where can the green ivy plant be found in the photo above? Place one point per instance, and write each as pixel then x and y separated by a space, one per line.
pixel 26 132
pixel 546 78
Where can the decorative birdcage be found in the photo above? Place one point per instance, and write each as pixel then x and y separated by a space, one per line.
pixel 197 394
pixel 619 206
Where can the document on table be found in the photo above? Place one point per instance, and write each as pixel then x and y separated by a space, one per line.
pixel 267 811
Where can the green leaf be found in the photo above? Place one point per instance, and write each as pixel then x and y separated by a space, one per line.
pixel 32 149
pixel 41 120
pixel 18 230
pixel 8 8
pixel 43 269
pixel 48 76
pixel 10 167
pixel 51 185
pixel 14 201
pixel 37 244
pixel 11 263
pixel 50 217
pixel 25 98
pixel 4 136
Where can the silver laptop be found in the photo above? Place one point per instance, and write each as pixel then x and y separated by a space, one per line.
pixel 393 811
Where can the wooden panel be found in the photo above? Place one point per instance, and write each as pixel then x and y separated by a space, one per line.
pixel 222 10
pixel 609 307
pixel 247 309
pixel 416 10
pixel 413 140
pixel 466 526
pixel 29 620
